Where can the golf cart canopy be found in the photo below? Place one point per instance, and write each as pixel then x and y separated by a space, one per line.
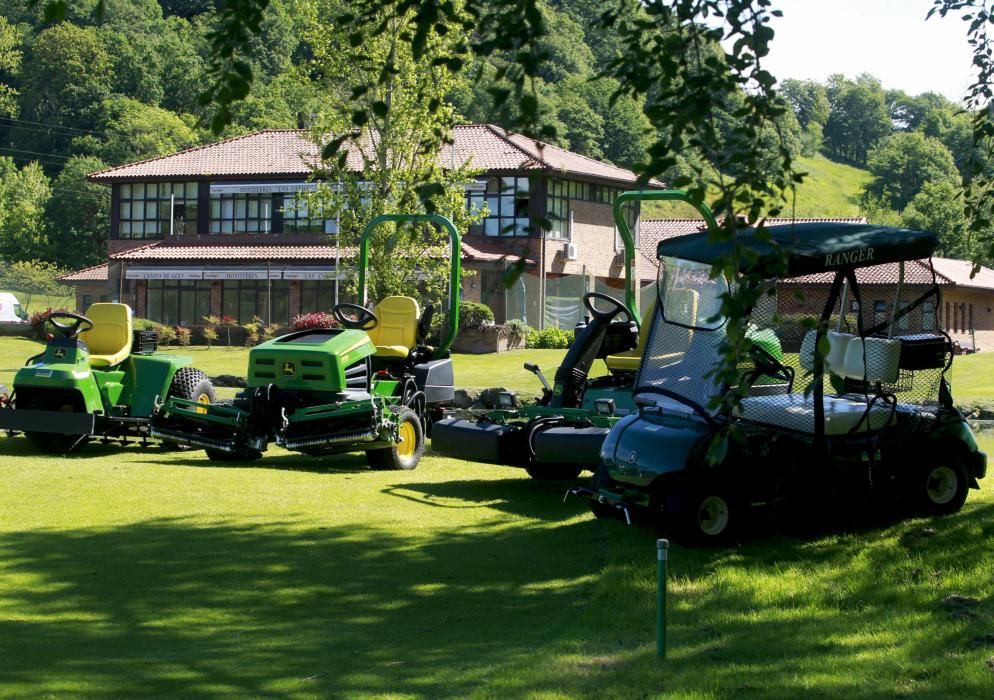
pixel 809 247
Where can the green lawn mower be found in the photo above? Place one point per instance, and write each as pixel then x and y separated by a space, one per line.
pixel 856 411
pixel 97 377
pixel 562 433
pixel 371 385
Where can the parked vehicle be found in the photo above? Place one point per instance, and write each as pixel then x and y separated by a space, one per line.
pixel 372 385
pixel 11 310
pixel 857 409
pixel 97 377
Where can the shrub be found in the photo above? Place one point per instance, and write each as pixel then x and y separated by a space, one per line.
pixel 39 328
pixel 167 334
pixel 270 331
pixel 183 336
pixel 252 331
pixel 552 338
pixel 210 329
pixel 143 324
pixel 228 322
pixel 474 315
pixel 315 319
pixel 517 331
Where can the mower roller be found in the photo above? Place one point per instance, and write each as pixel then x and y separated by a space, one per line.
pixel 98 377
pixel 562 434
pixel 371 385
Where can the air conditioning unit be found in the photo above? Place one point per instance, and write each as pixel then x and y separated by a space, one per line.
pixel 572 251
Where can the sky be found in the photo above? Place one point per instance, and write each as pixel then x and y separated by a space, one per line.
pixel 888 39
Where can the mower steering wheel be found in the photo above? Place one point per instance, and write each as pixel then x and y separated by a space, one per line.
pixel 70 330
pixel 770 366
pixel 616 307
pixel 365 320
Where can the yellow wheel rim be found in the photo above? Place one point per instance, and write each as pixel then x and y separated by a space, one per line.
pixel 408 441
pixel 205 400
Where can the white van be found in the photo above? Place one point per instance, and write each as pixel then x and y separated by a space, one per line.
pixel 10 309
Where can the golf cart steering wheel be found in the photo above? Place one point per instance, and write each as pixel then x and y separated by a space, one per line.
pixel 616 307
pixel 365 320
pixel 770 366
pixel 69 330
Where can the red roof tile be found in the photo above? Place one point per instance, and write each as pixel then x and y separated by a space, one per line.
pixel 958 273
pixel 97 273
pixel 290 152
pixel 482 250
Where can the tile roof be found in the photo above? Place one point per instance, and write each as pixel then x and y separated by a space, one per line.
pixel 291 152
pixel 477 251
pixel 916 272
pixel 482 250
pixel 96 273
pixel 958 273
pixel 652 231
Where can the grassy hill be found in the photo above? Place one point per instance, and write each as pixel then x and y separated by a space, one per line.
pixel 829 189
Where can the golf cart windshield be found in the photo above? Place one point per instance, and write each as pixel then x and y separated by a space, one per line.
pixel 686 336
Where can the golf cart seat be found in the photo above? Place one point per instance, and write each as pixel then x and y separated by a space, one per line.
pixel 395 336
pixel 629 361
pixel 109 341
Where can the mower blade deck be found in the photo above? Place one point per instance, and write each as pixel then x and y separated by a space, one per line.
pixel 26 420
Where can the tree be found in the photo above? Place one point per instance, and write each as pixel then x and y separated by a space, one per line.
pixel 30 277
pixel 398 151
pixel 24 195
pixel 858 119
pixel 808 99
pixel 10 63
pixel 938 207
pixel 78 215
pixel 903 163
pixel 134 131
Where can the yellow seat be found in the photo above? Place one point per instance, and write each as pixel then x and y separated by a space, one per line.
pixel 109 341
pixel 629 360
pixel 397 332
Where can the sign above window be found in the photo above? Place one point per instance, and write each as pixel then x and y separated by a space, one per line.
pixel 263 188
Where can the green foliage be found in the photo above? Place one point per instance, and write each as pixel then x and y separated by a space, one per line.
pixel 135 131
pixel 79 214
pixel 938 207
pixel 24 195
pixel 183 336
pixel 903 163
pixel 474 315
pixel 10 63
pixel 858 119
pixel 33 277
pixel 549 338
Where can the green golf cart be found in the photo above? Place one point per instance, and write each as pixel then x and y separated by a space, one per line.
pixel 97 377
pixel 373 384
pixel 858 409
pixel 562 433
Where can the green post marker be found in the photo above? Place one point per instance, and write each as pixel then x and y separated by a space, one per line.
pixel 662 552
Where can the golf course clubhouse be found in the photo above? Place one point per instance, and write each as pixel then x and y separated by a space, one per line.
pixel 220 229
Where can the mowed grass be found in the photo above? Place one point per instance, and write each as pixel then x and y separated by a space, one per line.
pixel 139 572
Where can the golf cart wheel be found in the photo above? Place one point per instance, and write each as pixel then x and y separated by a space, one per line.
pixel 193 385
pixel 939 489
pixel 553 472
pixel 712 518
pixel 407 452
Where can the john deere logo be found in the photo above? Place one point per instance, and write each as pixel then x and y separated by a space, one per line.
pixel 60 353
pixel 289 369
pixel 633 457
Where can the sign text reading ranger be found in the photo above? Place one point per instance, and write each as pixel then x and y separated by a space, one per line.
pixel 849 256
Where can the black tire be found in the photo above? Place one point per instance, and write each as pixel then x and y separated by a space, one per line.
pixel 191 384
pixel 712 518
pixel 939 488
pixel 553 472
pixel 602 480
pixel 401 455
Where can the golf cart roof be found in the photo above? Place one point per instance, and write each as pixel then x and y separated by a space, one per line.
pixel 811 247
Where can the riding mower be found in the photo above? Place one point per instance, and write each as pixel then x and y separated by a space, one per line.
pixel 97 377
pixel 856 412
pixel 562 433
pixel 372 385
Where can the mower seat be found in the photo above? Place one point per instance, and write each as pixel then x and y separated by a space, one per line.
pixel 396 335
pixel 629 361
pixel 109 341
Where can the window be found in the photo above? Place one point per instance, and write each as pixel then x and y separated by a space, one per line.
pixel 904 322
pixel 928 316
pixel 879 312
pixel 241 213
pixel 245 299
pixel 507 201
pixel 178 302
pixel 297 219
pixel 316 296
pixel 145 208
pixel 87 300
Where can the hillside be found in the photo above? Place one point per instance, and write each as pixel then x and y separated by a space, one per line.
pixel 829 189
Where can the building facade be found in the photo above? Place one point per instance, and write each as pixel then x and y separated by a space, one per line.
pixel 221 229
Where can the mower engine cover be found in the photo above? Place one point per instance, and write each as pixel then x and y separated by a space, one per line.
pixel 319 360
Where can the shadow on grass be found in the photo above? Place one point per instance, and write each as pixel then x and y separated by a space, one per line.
pixel 349 463
pixel 168 608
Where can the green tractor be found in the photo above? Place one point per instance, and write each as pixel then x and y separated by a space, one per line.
pixel 562 433
pixel 372 385
pixel 98 377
